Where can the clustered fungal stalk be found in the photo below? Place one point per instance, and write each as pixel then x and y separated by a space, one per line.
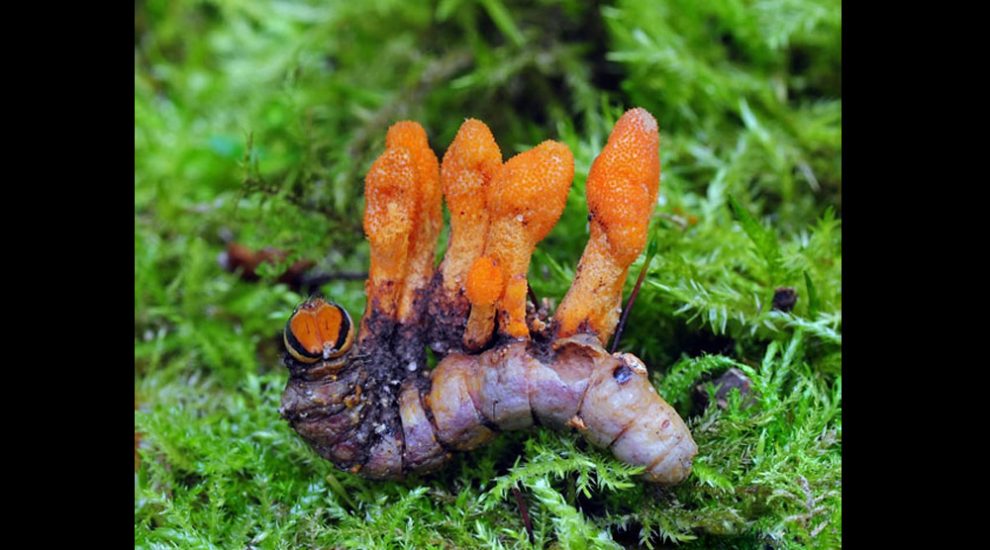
pixel 372 407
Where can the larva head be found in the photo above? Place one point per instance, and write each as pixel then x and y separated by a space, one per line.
pixel 318 330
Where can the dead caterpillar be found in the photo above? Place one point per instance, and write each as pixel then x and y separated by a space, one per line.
pixel 368 404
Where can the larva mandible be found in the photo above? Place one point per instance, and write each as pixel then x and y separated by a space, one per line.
pixel 362 397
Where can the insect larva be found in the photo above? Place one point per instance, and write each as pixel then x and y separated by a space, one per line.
pixel 369 406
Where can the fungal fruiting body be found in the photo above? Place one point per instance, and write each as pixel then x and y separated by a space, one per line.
pixel 372 407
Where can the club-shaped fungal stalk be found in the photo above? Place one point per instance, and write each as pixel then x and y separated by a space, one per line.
pixel 428 217
pixel 467 169
pixel 402 220
pixel 525 200
pixel 622 189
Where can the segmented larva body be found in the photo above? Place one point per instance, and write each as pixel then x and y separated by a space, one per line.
pixel 372 407
pixel 607 398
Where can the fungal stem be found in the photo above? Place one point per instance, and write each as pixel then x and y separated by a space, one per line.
pixel 621 191
pixel 402 220
pixel 524 200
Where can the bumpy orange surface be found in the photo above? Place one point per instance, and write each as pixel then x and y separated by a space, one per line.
pixel 428 216
pixel 402 219
pixel 390 213
pixel 468 167
pixel 484 282
pixel 622 190
pixel 531 188
pixel 525 200
pixel 624 181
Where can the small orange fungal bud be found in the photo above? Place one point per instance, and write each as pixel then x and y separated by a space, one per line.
pixel 484 282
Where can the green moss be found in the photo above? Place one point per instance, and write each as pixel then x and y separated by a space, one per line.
pixel 257 120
